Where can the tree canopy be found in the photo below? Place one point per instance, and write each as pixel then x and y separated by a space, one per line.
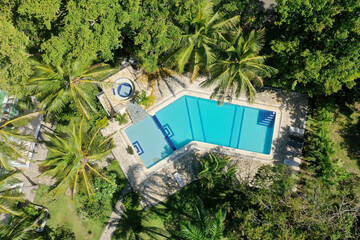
pixel 316 45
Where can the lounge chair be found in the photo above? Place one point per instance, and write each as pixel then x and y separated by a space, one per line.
pixel 295 130
pixel 179 180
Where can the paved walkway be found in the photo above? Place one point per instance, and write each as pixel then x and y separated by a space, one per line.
pixel 136 112
pixel 30 175
pixel 115 215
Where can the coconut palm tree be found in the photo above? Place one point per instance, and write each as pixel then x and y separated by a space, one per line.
pixel 9 196
pixel 203 29
pixel 203 226
pixel 239 68
pixel 73 151
pixel 11 140
pixel 57 86
pixel 213 171
pixel 20 228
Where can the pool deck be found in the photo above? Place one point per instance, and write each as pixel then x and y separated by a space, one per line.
pixel 158 182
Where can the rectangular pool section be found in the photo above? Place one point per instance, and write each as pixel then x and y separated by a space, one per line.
pixel 197 119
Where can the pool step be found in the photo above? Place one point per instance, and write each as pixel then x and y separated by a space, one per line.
pixel 138 148
pixel 266 118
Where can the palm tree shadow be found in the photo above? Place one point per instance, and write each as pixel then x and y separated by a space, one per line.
pixel 133 226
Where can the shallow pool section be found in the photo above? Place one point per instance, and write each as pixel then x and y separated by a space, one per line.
pixel 197 119
pixel 148 142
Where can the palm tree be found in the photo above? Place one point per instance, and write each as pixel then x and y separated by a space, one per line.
pixel 121 118
pixel 9 196
pixel 203 226
pixel 202 32
pixel 212 171
pixel 10 139
pixel 57 86
pixel 73 151
pixel 20 228
pixel 240 68
pixel 145 100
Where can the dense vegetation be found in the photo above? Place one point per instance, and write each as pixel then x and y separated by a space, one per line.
pixel 60 50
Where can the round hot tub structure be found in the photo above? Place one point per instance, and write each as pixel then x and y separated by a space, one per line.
pixel 123 88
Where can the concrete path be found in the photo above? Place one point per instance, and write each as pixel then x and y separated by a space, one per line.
pixel 115 215
pixel 136 112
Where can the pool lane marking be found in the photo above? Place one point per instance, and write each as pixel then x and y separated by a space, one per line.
pixel 232 127
pixel 201 122
pixel 241 123
pixel 187 108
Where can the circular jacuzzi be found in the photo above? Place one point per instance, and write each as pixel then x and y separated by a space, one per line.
pixel 123 88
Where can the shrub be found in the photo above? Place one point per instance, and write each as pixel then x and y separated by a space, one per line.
pixel 121 118
pixel 99 208
pixel 131 200
pixel 130 150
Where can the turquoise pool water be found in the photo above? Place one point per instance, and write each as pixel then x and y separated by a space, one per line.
pixel 197 119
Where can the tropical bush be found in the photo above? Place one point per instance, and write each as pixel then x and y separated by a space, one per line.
pixel 131 200
pixel 121 118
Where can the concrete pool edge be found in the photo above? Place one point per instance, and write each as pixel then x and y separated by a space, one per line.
pixel 223 150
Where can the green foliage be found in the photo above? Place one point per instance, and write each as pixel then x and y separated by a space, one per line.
pixel 15 67
pixel 317 45
pixel 19 228
pixel 202 28
pixel 101 205
pixel 202 225
pixel 130 150
pixel 95 210
pixel 215 171
pixel 150 30
pixel 73 152
pixel 10 139
pixel 87 29
pixel 319 147
pixel 131 200
pixel 143 99
pixel 58 86
pixel 121 118
pixel 135 224
pixel 239 66
pixel 9 195
pixel 250 12
pixel 60 233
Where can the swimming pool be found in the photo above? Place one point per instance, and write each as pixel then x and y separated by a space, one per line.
pixel 196 119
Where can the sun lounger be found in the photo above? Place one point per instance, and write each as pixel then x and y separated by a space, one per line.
pixel 291 163
pixel 179 180
pixel 296 138
pixel 295 130
pixel 295 144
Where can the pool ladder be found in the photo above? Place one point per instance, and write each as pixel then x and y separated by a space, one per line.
pixel 267 118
